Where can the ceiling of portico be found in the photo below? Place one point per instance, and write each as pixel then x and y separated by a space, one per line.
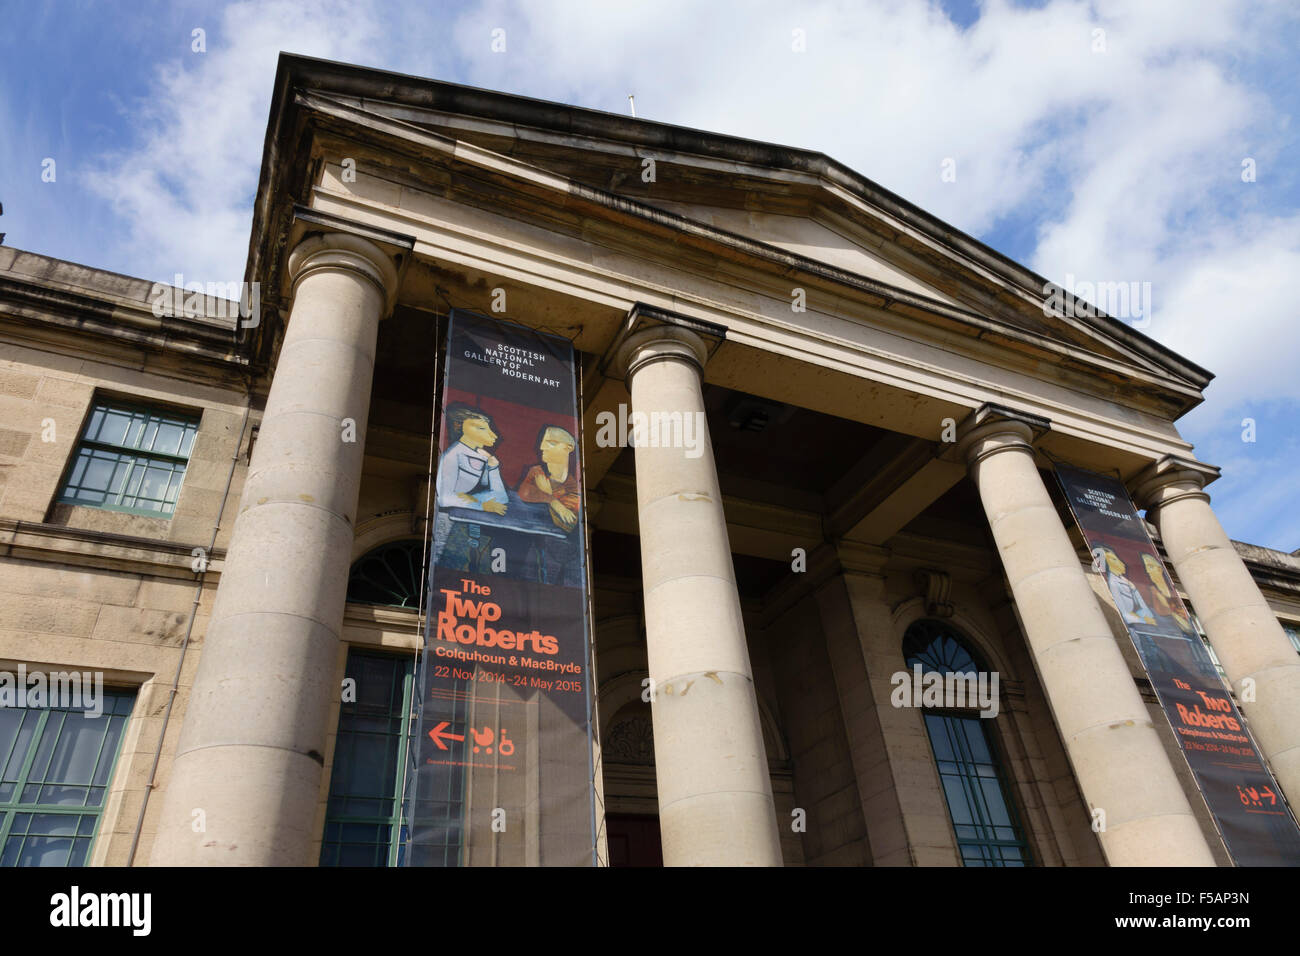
pixel 778 454
pixel 792 479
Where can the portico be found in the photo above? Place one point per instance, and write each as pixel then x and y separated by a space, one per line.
pixel 882 402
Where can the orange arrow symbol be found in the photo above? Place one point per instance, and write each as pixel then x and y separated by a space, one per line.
pixel 441 731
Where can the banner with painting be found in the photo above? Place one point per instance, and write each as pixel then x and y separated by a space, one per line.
pixel 1238 788
pixel 501 763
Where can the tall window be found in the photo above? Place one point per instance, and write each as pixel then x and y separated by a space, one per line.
pixel 973 777
pixel 363 825
pixel 55 768
pixel 130 459
pixel 366 821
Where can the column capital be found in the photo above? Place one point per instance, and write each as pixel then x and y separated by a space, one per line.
pixel 993 428
pixel 659 343
pixel 652 334
pixel 341 251
pixel 1171 478
pixel 380 255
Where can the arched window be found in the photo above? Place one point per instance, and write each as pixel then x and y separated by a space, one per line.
pixel 388 575
pixel 973 777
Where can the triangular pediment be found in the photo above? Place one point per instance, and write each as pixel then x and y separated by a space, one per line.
pixel 805 236
pixel 799 209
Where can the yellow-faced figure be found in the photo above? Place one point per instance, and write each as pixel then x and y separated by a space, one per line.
pixel 477 432
pixel 1128 600
pixel 554 480
pixel 1113 563
pixel 1162 598
pixel 556 446
pixel 467 463
pixel 1156 574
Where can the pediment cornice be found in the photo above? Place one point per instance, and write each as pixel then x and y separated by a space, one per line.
pixel 426 125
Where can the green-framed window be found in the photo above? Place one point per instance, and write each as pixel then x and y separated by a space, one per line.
pixel 1292 633
pixel 131 458
pixel 363 824
pixel 56 764
pixel 971 771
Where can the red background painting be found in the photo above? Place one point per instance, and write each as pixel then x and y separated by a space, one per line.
pixel 1130 552
pixel 518 427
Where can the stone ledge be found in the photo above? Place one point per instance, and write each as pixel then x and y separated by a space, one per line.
pixel 40 541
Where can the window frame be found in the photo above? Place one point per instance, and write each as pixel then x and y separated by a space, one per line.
pixel 9 809
pixel 359 581
pixel 940 629
pixel 396 820
pixel 1292 631
pixel 1001 774
pixel 85 449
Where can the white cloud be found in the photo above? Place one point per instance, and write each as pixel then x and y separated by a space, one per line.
pixel 184 190
pixel 1128 159
pixel 891 89
pixel 1231 306
pixel 1143 142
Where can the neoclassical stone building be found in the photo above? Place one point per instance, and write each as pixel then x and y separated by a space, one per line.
pixel 885 397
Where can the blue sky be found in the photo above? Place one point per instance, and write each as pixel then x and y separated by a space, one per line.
pixel 1100 140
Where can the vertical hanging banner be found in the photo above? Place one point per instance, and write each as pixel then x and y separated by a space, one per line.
pixel 1238 788
pixel 501 763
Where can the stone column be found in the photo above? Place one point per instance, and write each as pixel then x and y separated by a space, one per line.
pixel 1117 755
pixel 1241 627
pixel 251 748
pixel 715 794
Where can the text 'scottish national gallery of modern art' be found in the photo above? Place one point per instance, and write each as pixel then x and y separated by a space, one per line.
pixel 563 488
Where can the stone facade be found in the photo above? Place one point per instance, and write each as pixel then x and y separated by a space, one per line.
pixel 382 199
